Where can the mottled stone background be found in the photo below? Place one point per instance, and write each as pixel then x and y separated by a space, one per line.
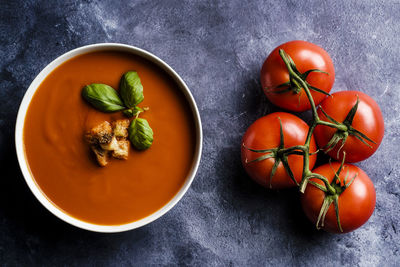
pixel 218 48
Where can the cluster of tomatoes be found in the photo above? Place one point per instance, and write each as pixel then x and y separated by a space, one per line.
pixel 279 150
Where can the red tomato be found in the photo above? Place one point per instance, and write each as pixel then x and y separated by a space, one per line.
pixel 368 120
pixel 356 203
pixel 306 56
pixel 264 133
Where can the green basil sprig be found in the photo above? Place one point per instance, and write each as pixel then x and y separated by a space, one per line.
pixel 131 89
pixel 103 97
pixel 140 133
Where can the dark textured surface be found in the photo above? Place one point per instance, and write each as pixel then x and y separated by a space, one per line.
pixel 218 49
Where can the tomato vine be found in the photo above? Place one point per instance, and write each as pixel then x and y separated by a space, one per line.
pixel 297 82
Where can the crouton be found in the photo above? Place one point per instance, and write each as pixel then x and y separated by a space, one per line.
pixel 122 151
pixel 106 139
pixel 120 128
pixel 101 134
pixel 101 155
pixel 110 146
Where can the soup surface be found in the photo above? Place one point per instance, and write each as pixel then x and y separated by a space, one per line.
pixel 61 161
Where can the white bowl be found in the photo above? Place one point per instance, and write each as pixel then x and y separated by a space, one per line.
pixel 20 147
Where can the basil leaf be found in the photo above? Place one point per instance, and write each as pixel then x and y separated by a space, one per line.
pixel 140 134
pixel 102 97
pixel 131 89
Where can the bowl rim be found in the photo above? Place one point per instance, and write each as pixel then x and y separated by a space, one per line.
pixel 19 144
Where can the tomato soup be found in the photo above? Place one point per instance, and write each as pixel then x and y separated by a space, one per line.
pixel 61 161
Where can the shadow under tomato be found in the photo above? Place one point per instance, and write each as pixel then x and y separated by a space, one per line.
pixel 287 202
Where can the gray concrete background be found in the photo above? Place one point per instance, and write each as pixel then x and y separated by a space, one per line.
pixel 218 48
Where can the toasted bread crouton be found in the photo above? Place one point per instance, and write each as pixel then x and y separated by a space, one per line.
pixel 112 145
pixel 122 151
pixel 101 134
pixel 106 138
pixel 120 128
pixel 101 155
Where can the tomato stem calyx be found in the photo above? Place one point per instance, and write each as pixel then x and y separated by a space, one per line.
pixel 332 194
pixel 296 78
pixel 344 129
pixel 280 154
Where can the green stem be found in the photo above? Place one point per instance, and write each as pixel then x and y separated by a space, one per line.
pixel 306 166
pixel 309 134
pixel 341 127
pixel 298 79
pixel 293 148
pixel 331 190
pixel 307 174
